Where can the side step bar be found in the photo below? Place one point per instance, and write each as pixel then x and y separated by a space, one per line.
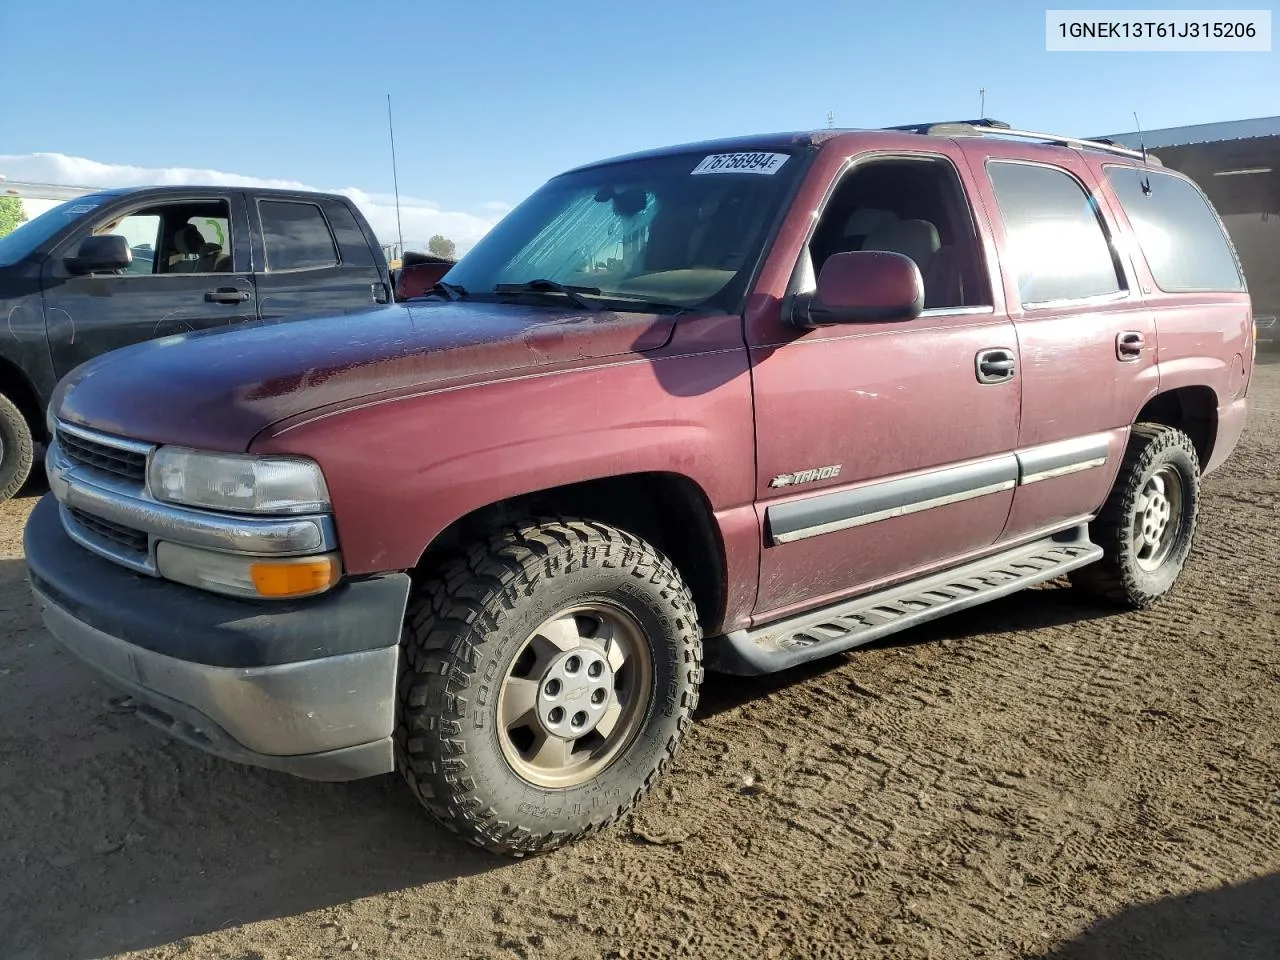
pixel 813 635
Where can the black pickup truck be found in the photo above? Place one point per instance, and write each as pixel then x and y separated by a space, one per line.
pixel 112 268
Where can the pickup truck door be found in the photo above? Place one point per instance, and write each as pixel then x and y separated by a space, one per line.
pixel 315 259
pixel 190 271
pixel 884 449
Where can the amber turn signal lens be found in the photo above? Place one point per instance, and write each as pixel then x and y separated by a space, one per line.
pixel 294 578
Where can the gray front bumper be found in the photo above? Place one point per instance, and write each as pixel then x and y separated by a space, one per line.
pixel 307 687
pixel 328 719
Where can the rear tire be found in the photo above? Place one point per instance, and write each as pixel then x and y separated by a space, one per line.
pixel 1148 524
pixel 548 678
pixel 17 449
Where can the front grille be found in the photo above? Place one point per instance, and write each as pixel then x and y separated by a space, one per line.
pixel 128 464
pixel 132 540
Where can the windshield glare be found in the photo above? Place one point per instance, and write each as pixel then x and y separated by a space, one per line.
pixel 680 231
pixel 33 233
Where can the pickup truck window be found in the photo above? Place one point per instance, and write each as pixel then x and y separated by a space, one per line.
pixel 189 236
pixel 296 236
pixel 1177 231
pixel 682 230
pixel 1057 245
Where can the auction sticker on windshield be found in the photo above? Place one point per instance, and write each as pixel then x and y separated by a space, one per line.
pixel 766 163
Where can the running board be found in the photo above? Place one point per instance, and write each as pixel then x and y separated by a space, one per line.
pixel 813 635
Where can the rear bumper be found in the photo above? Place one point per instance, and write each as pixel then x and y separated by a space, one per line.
pixel 306 687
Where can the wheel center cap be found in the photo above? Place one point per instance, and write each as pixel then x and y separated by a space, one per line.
pixel 574 693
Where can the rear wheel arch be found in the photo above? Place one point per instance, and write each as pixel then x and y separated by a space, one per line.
pixel 668 510
pixel 1193 410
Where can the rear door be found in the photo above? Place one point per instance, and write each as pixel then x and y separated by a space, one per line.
pixel 1086 336
pixel 315 259
pixel 190 271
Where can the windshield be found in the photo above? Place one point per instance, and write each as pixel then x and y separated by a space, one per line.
pixel 31 234
pixel 680 231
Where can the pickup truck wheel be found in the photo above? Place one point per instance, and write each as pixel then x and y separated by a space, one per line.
pixel 548 678
pixel 17 450
pixel 1148 523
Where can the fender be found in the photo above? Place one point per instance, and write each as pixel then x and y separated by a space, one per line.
pixel 398 478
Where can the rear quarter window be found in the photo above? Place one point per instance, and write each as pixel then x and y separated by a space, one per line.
pixel 1178 232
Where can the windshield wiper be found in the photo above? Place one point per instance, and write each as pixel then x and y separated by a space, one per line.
pixel 452 291
pixel 576 294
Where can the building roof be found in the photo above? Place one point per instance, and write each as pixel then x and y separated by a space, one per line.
pixel 1199 133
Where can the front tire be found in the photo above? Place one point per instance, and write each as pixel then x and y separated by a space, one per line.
pixel 1148 524
pixel 549 676
pixel 17 449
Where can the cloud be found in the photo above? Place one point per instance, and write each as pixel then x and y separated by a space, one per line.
pixel 420 219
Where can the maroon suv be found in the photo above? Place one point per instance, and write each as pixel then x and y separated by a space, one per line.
pixel 761 400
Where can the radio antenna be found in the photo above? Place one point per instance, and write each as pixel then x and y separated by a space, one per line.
pixel 982 100
pixel 395 178
pixel 1146 178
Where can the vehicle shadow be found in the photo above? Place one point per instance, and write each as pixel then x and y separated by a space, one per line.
pixel 116 838
pixel 1049 605
pixel 1239 922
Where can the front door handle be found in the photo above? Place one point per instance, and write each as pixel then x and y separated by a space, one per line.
pixel 1129 346
pixel 226 295
pixel 995 365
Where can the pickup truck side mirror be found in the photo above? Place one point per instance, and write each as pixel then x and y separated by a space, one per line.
pixel 101 255
pixel 862 287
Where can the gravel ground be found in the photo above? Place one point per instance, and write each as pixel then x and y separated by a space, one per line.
pixel 1034 778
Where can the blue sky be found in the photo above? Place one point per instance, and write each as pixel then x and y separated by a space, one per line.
pixel 491 98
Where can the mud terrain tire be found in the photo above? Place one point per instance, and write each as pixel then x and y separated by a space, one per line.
pixel 468 633
pixel 17 451
pixel 1157 489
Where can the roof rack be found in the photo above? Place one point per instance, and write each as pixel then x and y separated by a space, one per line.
pixel 998 128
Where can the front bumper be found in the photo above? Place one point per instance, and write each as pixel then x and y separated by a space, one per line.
pixel 307 687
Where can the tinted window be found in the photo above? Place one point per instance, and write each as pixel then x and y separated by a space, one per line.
pixel 1177 231
pixel 355 248
pixel 1056 243
pixel 296 236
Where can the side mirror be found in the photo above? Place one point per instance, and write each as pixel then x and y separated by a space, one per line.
pixel 101 255
pixel 862 287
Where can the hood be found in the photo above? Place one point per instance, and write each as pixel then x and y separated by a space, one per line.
pixel 217 389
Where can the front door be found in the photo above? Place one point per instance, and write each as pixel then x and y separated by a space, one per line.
pixel 190 271
pixel 886 448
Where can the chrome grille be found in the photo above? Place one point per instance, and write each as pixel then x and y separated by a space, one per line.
pixel 117 461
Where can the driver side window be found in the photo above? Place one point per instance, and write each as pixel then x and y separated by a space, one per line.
pixel 184 237
pixel 142 232
pixel 916 208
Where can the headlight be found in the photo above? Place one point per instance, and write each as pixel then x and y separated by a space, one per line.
pixel 236 482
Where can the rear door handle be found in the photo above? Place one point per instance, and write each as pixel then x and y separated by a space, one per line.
pixel 995 365
pixel 226 295
pixel 1129 345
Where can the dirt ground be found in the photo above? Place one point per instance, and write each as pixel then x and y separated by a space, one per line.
pixel 1035 778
